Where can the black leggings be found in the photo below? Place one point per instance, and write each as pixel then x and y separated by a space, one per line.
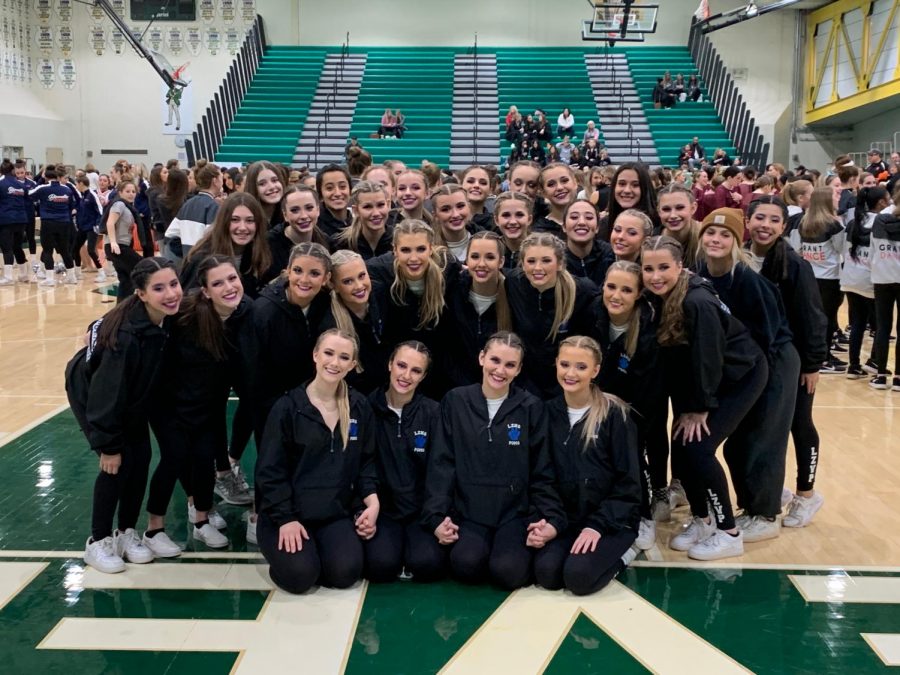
pixel 241 431
pixel 89 237
pixel 332 556
pixel 11 244
pixel 757 450
pixel 832 297
pixel 124 490
pixel 56 235
pixel 123 262
pixel 498 554
pixel 584 573
pixel 186 455
pixel 886 296
pixel 396 545
pixel 806 440
pixel 861 309
pixel 695 463
pixel 30 236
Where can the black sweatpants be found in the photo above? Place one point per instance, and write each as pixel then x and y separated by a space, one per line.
pixel 696 464
pixel 125 490
pixel 832 297
pixel 241 431
pixel 56 235
pixel 90 238
pixel 806 440
pixel 861 309
pixel 332 556
pixel 11 243
pixel 397 545
pixel 30 236
pixel 757 450
pixel 582 573
pixel 498 554
pixel 186 454
pixel 886 296
pixel 653 437
pixel 123 262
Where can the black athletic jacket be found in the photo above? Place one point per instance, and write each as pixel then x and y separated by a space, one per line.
pixel 532 312
pixel 794 278
pixel 285 340
pixel 599 485
pixel 594 265
pixel 110 390
pixel 382 246
pixel 491 472
pixel 303 472
pixel 251 283
pixel 329 224
pixel 469 333
pixel 545 224
pixel 403 447
pixel 374 350
pixel 718 350
pixel 757 303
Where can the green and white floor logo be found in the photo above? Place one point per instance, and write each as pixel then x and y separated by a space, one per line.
pixel 224 616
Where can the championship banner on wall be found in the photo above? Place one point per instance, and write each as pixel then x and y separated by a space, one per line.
pixel 175 40
pixel 43 10
pixel 98 39
pixel 213 40
pixel 67 73
pixel 65 38
pixel 207 10
pixel 44 38
pixel 117 39
pixel 227 8
pixel 248 10
pixel 46 73
pixel 155 37
pixel 193 38
pixel 64 10
pixel 233 39
pixel 118 7
pixel 96 13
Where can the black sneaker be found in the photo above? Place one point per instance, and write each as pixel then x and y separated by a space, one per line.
pixel 870 367
pixel 841 338
pixel 833 366
pixel 895 385
pixel 839 347
pixel 855 372
pixel 879 382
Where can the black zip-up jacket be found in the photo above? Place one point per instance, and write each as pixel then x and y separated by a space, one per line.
pixel 757 303
pixel 532 313
pixel 599 484
pixel 304 473
pixel 251 283
pixel 330 225
pixel 594 265
pixel 491 472
pixel 796 281
pixel 285 340
pixel 110 390
pixel 719 350
pixel 548 226
pixel 469 330
pixel 403 447
pixel 374 350
pixel 382 246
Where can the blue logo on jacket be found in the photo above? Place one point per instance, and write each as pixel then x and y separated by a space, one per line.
pixel 420 438
pixel 354 428
pixel 514 432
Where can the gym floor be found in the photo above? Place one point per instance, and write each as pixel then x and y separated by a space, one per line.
pixel 818 600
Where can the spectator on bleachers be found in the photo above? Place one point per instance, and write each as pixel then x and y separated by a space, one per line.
pixel 679 88
pixel 565 123
pixel 536 152
pixel 591 131
pixel 565 147
pixel 721 159
pixel 551 153
pixel 591 154
pixel 515 129
pixel 604 158
pixel 388 124
pixel 511 115
pixel 727 194
pixel 876 165
pixel 400 129
pixel 662 97
pixel 684 156
pixel 541 129
pixel 693 89
pixel 575 159
pixel 697 154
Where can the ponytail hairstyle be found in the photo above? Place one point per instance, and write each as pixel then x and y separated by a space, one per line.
pixel 416 346
pixel 426 191
pixel 309 249
pixel 339 310
pixel 351 235
pixel 515 197
pixel 507 338
pixel 217 239
pixel 793 190
pixel 342 396
pixel 691 231
pixel 558 165
pixel 140 278
pixel 205 172
pixel 564 291
pixel 632 332
pixel 504 315
pixel 444 191
pixel 671 324
pixel 299 188
pixel 199 316
pixel 433 298
pixel 820 214
pixel 601 402
pixel 866 201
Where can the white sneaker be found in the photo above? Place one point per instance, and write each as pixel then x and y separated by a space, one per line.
pixel 6 281
pixel 49 280
pixel 718 545
pixel 662 511
pixel 692 532
pixel 786 498
pixel 100 278
pixel 629 555
pixel 759 528
pixel 210 536
pixel 646 538
pixel 101 555
pixel 39 272
pixel 130 548
pixel 742 520
pixel 216 520
pixel 251 531
pixel 161 546
pixel 677 495
pixel 802 510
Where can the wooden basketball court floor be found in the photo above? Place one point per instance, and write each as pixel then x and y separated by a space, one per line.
pixel 825 598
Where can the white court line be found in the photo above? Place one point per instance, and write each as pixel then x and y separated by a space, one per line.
pixel 174 576
pixel 842 588
pixel 885 645
pixel 14 576
pixel 31 425
pixel 188 555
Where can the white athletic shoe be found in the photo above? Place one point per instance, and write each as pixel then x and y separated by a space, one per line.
pixel 662 511
pixel 692 532
pixel 100 278
pixel 49 280
pixel 215 519
pixel 677 495
pixel 101 555
pixel 210 536
pixel 129 547
pixel 802 510
pixel 161 546
pixel 251 530
pixel 759 528
pixel 718 545
pixel 786 497
pixel 646 534
pixel 6 281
